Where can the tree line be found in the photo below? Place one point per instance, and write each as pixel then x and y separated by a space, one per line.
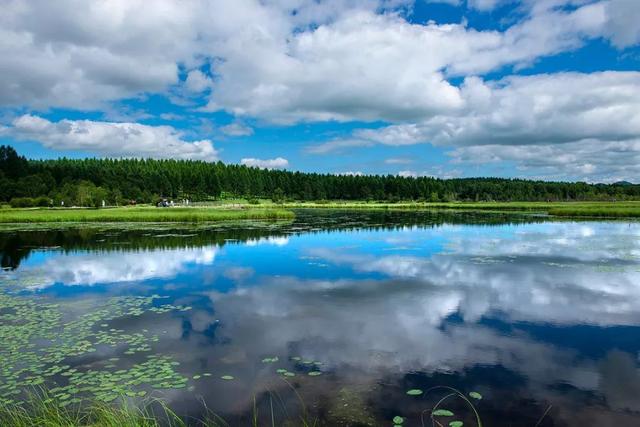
pixel 87 182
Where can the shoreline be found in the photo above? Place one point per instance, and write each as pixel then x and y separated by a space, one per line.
pixel 269 211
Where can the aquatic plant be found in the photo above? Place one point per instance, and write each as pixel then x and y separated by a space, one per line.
pixel 23 364
pixel 437 411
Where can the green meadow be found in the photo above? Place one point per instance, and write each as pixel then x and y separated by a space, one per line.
pixel 140 214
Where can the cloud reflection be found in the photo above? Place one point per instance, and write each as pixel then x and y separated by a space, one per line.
pixel 91 268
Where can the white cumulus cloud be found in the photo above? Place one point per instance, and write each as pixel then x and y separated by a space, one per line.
pixel 329 60
pixel 585 125
pixel 110 139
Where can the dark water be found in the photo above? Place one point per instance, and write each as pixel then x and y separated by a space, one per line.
pixel 532 314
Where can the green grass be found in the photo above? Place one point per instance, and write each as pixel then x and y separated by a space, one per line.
pixel 613 211
pixel 503 206
pixel 266 210
pixel 565 209
pixel 141 214
pixel 42 410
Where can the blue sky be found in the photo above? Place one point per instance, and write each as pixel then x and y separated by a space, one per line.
pixel 545 89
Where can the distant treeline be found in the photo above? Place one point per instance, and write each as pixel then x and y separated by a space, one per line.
pixel 87 182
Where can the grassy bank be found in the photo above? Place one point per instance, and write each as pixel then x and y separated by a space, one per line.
pixel 541 207
pixel 615 211
pixel 267 210
pixel 141 214
pixel 564 209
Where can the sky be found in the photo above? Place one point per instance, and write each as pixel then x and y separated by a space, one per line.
pixel 540 89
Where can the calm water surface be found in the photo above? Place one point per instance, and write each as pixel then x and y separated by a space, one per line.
pixel 530 313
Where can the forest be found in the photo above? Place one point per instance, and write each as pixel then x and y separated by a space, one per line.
pixel 88 182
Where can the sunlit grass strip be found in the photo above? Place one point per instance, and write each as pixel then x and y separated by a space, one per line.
pixel 261 203
pixel 613 211
pixel 576 209
pixel 499 206
pixel 140 214
pixel 272 211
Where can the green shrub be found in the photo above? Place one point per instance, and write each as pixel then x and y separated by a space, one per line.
pixel 22 202
pixel 42 202
pixel 29 202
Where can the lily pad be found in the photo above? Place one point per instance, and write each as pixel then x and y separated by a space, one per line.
pixel 456 424
pixel 442 413
pixel 398 419
pixel 227 377
pixel 475 395
pixel 414 392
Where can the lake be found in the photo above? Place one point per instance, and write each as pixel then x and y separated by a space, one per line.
pixel 333 317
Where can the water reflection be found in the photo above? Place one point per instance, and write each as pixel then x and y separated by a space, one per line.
pixel 528 313
pixel 89 269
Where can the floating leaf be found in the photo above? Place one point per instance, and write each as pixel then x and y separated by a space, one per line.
pixel 414 392
pixel 475 395
pixel 398 419
pixel 314 373
pixel 456 424
pixel 281 371
pixel 227 377
pixel 442 413
pixel 289 374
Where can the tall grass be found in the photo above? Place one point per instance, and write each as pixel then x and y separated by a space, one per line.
pixel 139 214
pixel 42 410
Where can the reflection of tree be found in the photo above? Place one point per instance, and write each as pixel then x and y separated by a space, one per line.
pixel 16 246
pixel 13 251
